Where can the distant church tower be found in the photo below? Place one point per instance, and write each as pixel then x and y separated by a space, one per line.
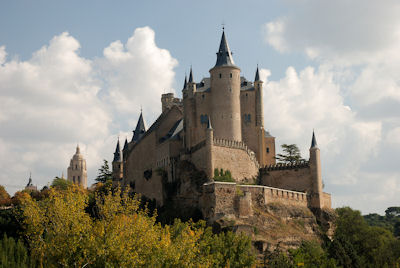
pixel 77 169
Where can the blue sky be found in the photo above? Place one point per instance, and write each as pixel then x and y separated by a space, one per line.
pixel 78 71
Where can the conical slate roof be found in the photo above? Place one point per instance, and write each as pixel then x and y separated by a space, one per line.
pixel 125 145
pixel 140 129
pixel 257 78
pixel 117 153
pixel 314 141
pixel 224 54
pixel 184 84
pixel 191 75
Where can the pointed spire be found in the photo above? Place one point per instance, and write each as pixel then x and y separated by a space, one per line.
pixel 78 150
pixel 314 141
pixel 257 78
pixel 184 84
pixel 191 75
pixel 125 145
pixel 140 129
pixel 224 54
pixel 117 153
pixel 209 123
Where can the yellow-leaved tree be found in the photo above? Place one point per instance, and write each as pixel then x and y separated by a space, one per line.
pixel 120 233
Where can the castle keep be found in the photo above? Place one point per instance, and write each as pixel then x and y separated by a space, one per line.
pixel 218 124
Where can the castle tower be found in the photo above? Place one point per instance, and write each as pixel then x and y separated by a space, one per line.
pixel 77 172
pixel 225 95
pixel 117 164
pixel 315 167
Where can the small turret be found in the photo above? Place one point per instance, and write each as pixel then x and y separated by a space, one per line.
pixel 209 150
pixel 125 145
pixel 259 100
pixel 191 85
pixel 117 165
pixel 315 167
pixel 117 153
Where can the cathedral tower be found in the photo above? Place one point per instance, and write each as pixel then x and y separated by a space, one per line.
pixel 77 169
pixel 225 95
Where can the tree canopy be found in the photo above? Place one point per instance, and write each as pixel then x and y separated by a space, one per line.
pixel 291 154
pixel 104 173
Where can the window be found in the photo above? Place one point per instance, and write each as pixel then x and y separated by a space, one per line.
pixel 231 75
pixel 73 178
pixel 247 118
pixel 267 150
pixel 79 179
pixel 203 119
pixel 220 75
pixel 76 166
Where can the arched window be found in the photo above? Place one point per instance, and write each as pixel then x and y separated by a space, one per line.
pixel 220 75
pixel 267 150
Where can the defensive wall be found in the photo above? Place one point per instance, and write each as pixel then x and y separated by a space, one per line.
pixel 228 199
pixel 230 155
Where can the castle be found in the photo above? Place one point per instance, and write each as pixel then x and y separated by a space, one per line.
pixel 218 124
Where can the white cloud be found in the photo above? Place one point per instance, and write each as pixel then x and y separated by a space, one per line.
pixel 3 54
pixel 57 98
pixel 137 73
pixel 355 92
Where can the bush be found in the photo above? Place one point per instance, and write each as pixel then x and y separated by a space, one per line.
pixel 220 175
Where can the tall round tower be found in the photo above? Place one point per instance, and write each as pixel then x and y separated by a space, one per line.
pixel 77 172
pixel 225 95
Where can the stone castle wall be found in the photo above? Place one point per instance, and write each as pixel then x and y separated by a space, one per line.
pixel 293 177
pixel 225 199
pixel 236 157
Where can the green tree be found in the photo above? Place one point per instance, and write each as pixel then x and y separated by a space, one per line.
pixel 61 184
pixel 13 253
pixel 105 175
pixel 291 154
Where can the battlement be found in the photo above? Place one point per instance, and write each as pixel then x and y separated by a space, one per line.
pixel 236 145
pixel 168 100
pixel 284 166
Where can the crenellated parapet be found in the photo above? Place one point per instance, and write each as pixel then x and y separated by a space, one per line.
pixel 285 166
pixel 236 145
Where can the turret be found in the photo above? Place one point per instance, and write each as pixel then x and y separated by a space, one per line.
pixel 117 164
pixel 225 95
pixel 191 85
pixel 315 167
pixel 258 86
pixel 209 147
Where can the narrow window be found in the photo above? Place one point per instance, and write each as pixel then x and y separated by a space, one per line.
pixel 73 179
pixel 231 75
pixel 79 179
pixel 220 75
pixel 267 150
pixel 76 166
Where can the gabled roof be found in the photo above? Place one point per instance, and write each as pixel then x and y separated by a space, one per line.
pixel 224 54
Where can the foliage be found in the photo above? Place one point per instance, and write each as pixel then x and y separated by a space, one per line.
pixel 390 221
pixel 356 244
pixel 291 154
pixel 13 253
pixel 220 175
pixel 60 232
pixel 61 184
pixel 5 199
pixel 105 173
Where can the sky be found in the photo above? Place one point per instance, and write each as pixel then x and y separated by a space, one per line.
pixel 80 71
